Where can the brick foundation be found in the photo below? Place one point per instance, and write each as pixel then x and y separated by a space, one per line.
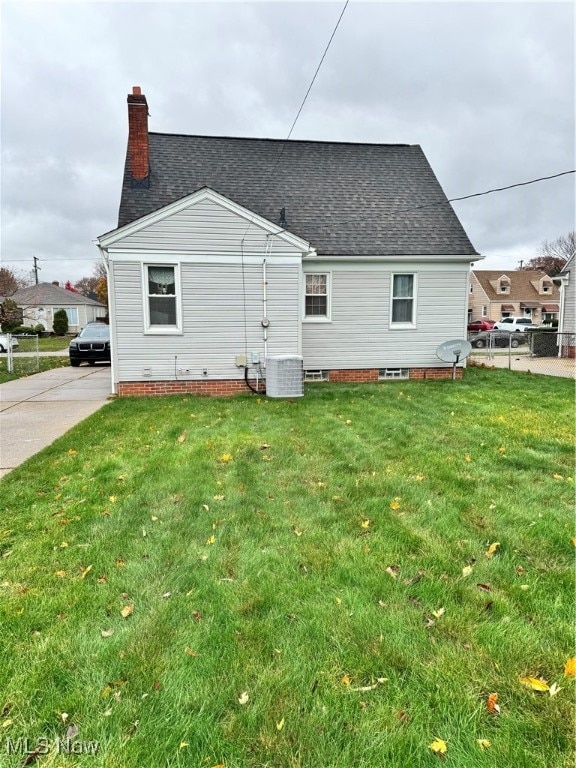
pixel 219 388
pixel 360 375
pixel 228 387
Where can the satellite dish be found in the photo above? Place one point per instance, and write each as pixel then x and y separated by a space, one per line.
pixel 453 351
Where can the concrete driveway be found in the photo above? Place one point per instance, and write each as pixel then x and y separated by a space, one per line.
pixel 36 410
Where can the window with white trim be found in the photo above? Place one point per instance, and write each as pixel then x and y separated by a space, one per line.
pixel 71 314
pixel 316 297
pixel 162 297
pixel 403 300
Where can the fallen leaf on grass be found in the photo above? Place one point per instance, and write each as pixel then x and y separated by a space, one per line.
pixel 7 723
pixel 297 531
pixel 364 688
pixel 483 743
pixel 395 503
pixel 365 523
pixel 467 458
pixel 492 548
pixel 243 698
pixel 219 497
pixel 535 683
pixel 183 745
pixel 60 574
pixel 107 633
pixel 440 612
pixel 72 452
pixel 211 540
pixel 128 610
pixel 570 667
pixel 190 652
pixel 492 704
pixel 556 476
pixel 484 587
pixel 467 570
pixel 225 458
pixel 554 689
pixel 280 725
pixel 182 437
pixel 112 499
pixel 346 680
pixel 72 729
pixel 393 570
pixel 438 746
pixel 86 571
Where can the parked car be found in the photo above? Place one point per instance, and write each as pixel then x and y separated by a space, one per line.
pixel 498 339
pixel 515 324
pixel 92 345
pixel 4 342
pixel 481 325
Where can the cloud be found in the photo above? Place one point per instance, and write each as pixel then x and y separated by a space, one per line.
pixel 487 89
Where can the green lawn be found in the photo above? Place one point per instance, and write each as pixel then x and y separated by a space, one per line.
pixel 305 583
pixel 26 366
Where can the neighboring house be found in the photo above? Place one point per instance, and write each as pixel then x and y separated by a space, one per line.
pixel 566 282
pixel 496 294
pixel 229 250
pixel 40 302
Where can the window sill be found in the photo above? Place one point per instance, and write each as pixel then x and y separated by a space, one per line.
pixel 317 320
pixel 403 327
pixel 163 331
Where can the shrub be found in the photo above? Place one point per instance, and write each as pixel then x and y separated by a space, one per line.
pixel 60 323
pixel 39 328
pixel 23 329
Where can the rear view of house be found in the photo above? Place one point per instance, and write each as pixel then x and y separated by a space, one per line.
pixel 230 251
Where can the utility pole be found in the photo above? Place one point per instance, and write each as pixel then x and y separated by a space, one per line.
pixel 35 268
pixel 521 263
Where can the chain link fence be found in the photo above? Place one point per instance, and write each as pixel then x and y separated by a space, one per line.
pixel 23 354
pixel 545 351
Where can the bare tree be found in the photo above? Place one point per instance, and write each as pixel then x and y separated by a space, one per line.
pixel 11 281
pixel 86 285
pixel 99 270
pixel 552 256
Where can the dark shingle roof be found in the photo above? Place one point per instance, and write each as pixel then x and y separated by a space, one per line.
pixel 48 293
pixel 345 199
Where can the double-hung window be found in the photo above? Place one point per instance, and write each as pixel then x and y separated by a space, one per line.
pixel 317 297
pixel 403 310
pixel 162 299
pixel 71 314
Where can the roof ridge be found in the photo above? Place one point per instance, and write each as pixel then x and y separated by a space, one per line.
pixel 281 141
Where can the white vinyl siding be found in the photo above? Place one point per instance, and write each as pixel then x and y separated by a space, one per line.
pixel 204 228
pixel 360 335
pixel 214 317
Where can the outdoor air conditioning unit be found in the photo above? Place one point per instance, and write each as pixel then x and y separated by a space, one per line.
pixel 284 376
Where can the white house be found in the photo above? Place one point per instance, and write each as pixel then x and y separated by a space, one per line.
pixel 566 282
pixel 229 250
pixel 39 303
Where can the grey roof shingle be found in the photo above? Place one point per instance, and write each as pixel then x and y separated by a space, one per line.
pixel 345 199
pixel 50 294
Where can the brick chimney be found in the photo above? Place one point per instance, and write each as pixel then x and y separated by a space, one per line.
pixel 138 146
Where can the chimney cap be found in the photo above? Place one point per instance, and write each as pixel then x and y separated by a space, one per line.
pixel 136 90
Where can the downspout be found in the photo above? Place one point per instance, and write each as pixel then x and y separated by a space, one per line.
pixel 111 319
pixel 264 310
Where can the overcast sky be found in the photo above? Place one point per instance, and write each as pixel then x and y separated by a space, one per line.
pixel 487 90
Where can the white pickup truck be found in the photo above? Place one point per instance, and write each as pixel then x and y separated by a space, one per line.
pixel 515 324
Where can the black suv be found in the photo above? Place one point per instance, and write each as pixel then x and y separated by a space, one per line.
pixel 92 345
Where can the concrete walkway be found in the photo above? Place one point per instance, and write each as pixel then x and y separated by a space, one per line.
pixel 37 409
